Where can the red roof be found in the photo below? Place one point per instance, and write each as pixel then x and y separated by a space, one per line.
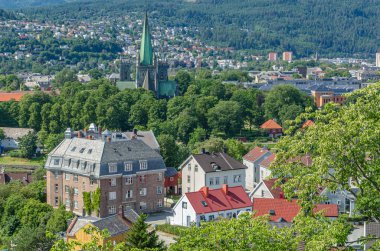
pixel 218 200
pixel 285 210
pixel 266 163
pixel 270 124
pixel 8 96
pixel 307 123
pixel 255 154
pixel 277 192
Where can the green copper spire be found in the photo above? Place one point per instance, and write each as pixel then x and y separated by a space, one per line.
pixel 146 49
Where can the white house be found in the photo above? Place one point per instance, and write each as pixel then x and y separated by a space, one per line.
pixel 264 167
pixel 343 198
pixel 13 136
pixel 209 204
pixel 267 189
pixel 212 170
pixel 252 160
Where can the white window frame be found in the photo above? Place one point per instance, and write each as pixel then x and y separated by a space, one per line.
pixel 112 210
pixel 128 166
pixel 67 176
pixel 76 191
pixel 159 203
pixel 217 180
pixel 171 178
pixel 112 196
pixel 159 190
pixel 113 182
pixel 211 181
pixel 129 194
pixel 112 167
pixel 143 164
pixel 225 180
pixel 159 177
pixel 56 162
pixel 129 180
pixel 76 204
pixel 143 191
pixel 75 178
pixel 143 205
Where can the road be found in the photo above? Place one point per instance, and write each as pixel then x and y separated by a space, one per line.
pixel 159 219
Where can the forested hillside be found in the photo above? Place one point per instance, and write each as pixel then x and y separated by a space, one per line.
pixel 330 27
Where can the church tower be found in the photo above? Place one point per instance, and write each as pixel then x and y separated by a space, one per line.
pixel 146 68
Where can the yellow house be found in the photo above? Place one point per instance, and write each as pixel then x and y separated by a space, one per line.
pixel 117 225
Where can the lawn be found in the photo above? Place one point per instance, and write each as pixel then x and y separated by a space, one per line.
pixel 9 161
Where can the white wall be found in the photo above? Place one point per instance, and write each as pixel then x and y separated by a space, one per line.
pixel 197 178
pixel 261 190
pixel 264 173
pixel 230 174
pixel 250 175
pixel 9 143
pixel 180 214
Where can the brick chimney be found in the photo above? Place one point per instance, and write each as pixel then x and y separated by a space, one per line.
pixel 121 211
pixel 100 130
pixel 225 189
pixel 204 190
pixel 79 134
pixel 108 139
pixel 281 196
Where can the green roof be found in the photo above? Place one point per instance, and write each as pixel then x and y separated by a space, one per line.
pixel 146 48
pixel 122 85
pixel 167 89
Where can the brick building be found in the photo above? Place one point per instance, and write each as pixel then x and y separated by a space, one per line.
pixel 323 95
pixel 128 173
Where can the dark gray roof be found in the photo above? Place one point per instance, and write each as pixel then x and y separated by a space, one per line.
pixel 15 133
pixel 223 162
pixel 115 224
pixel 320 88
pixel 147 137
pixel 170 171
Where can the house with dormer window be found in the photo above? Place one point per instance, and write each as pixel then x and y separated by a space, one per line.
pixel 209 204
pixel 212 170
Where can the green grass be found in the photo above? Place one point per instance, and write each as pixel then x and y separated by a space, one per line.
pixel 7 160
pixel 171 229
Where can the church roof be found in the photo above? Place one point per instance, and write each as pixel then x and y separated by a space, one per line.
pixel 146 49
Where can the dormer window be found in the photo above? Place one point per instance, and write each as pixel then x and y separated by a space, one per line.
pixel 89 151
pixel 82 150
pixel 73 149
pixel 112 167
pixel 127 166
pixel 143 164
pixel 56 162
pixel 83 165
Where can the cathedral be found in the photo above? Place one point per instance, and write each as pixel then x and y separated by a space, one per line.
pixel 151 73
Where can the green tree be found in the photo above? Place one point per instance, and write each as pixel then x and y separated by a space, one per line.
pixel 235 148
pixel 225 118
pixel 65 76
pixel 2 135
pixel 28 144
pixel 58 220
pixel 34 213
pixel 140 237
pixel 183 79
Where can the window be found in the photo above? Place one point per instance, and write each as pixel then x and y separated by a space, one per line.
pixel 229 215
pixel 56 174
pixel 112 167
pixel 142 205
pixel 76 191
pixel 93 167
pixel 67 176
pixel 84 185
pixel 143 164
pixel 127 166
pixel 327 202
pixel 196 168
pixel 159 203
pixel 171 178
pixel 113 182
pixel 211 181
pixel 237 178
pixel 262 193
pixel 89 151
pixel 92 181
pixel 67 203
pixel 56 188
pixel 143 191
pixel 73 149
pixel 82 150
pixel 67 189
pixel 159 190
pixel 188 189
pixel 83 165
pixel 56 162
pixel 112 210
pixel 225 179
pixel 112 195
pixel 211 217
pixel 332 192
pixel 142 178
pixel 76 204
pixel 129 194
pixel 75 177
pixel 188 178
pixel 338 202
pixel 159 177
pixel 56 201
pixel 189 167
pixel 217 181
pixel 128 180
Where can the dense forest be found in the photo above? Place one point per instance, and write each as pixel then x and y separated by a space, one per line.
pixel 329 27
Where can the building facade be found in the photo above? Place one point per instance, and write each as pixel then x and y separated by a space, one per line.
pixel 287 56
pixel 252 161
pixel 128 173
pixel 212 170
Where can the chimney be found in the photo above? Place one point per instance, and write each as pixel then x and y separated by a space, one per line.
pixel 79 134
pixel 203 150
pixel 135 131
pixel 204 190
pixel 100 130
pixel 281 195
pixel 108 139
pixel 121 211
pixel 225 149
pixel 225 189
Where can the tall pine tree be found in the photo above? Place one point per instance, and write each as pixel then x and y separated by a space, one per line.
pixel 139 236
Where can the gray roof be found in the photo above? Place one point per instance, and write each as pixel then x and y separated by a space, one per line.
pixel 147 137
pixel 115 224
pixel 92 157
pixel 222 161
pixel 170 171
pixel 15 133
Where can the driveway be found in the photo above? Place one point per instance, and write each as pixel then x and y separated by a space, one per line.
pixel 159 218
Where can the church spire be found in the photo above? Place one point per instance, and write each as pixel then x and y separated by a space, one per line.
pixel 146 48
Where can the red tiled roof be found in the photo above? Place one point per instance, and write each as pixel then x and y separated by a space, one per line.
pixel 277 192
pixel 266 163
pixel 270 124
pixel 307 123
pixel 255 153
pixel 217 200
pixel 286 210
pixel 8 96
